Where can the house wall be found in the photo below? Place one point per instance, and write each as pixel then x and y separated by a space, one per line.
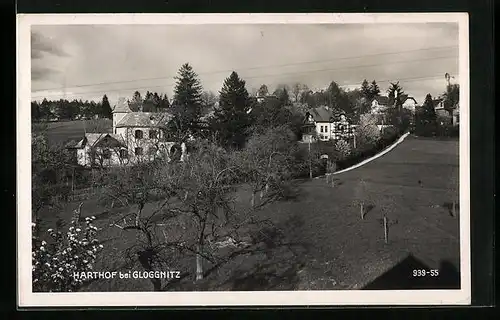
pixel 327 131
pixel 82 157
pixel 117 117
pixel 410 105
pixel 149 146
pixel 376 107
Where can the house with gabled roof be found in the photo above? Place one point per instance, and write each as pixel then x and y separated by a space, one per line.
pixel 446 115
pixel 136 136
pixel 380 104
pixel 324 124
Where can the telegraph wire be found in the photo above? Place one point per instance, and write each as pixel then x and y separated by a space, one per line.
pixel 410 79
pixel 252 77
pixel 250 68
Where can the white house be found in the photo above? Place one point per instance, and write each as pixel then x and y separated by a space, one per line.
pixel 136 136
pixel 445 116
pixel 380 104
pixel 409 103
pixel 324 124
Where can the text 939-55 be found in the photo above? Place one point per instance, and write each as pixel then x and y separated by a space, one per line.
pixel 425 273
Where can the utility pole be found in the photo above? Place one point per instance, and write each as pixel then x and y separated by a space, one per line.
pixel 310 160
pixel 354 136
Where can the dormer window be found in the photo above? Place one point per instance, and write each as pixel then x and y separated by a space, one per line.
pixel 139 134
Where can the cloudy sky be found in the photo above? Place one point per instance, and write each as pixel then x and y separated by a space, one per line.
pixel 87 61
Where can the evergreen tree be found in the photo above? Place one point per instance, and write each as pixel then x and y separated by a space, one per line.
pixel 136 103
pixel 231 118
pixel 263 91
pixel 426 122
pixel 366 90
pixel 395 92
pixel 187 104
pixel 35 111
pixel 374 89
pixel 156 102
pixel 284 96
pixel 106 110
pixel 137 97
pixel 451 97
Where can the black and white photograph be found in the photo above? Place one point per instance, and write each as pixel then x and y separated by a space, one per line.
pixel 260 159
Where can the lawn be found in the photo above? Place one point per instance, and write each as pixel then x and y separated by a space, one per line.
pixel 329 246
pixel 64 131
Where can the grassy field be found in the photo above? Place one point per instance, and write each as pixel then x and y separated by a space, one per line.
pixel 64 131
pixel 330 246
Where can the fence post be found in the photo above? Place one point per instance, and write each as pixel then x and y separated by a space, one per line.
pixel 386 235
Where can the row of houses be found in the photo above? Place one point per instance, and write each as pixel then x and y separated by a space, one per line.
pixel 324 124
pixel 141 136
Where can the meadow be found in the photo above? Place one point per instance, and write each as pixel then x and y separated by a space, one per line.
pixel 61 132
pixel 325 245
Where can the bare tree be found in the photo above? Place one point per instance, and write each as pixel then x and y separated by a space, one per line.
pixel 296 89
pixel 267 162
pixel 361 197
pixel 200 195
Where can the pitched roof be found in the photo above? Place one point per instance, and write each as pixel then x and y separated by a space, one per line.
pixel 406 98
pixel 321 114
pixel 121 106
pixel 382 100
pixel 145 119
pixel 92 139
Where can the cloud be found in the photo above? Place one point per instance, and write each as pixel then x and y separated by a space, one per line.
pixel 41 73
pixel 120 55
pixel 41 44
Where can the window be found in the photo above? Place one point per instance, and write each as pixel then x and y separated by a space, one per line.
pixel 326 128
pixel 106 154
pixel 138 134
pixel 138 151
pixel 153 134
pixel 321 129
pixel 123 154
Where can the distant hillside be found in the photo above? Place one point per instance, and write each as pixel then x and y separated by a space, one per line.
pixel 62 132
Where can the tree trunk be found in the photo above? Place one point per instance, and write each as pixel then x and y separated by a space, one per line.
pixel 199 264
pixel 362 211
pixel 252 201
pixel 386 230
pixel 138 216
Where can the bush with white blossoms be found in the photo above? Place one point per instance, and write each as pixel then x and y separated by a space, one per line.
pixel 54 264
pixel 343 148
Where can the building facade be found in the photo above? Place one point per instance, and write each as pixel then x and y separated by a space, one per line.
pixel 324 124
pixel 136 137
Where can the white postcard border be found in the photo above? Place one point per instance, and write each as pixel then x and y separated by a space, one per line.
pixel 26 298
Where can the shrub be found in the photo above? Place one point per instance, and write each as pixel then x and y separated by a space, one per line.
pixel 343 148
pixel 367 132
pixel 331 167
pixel 55 263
